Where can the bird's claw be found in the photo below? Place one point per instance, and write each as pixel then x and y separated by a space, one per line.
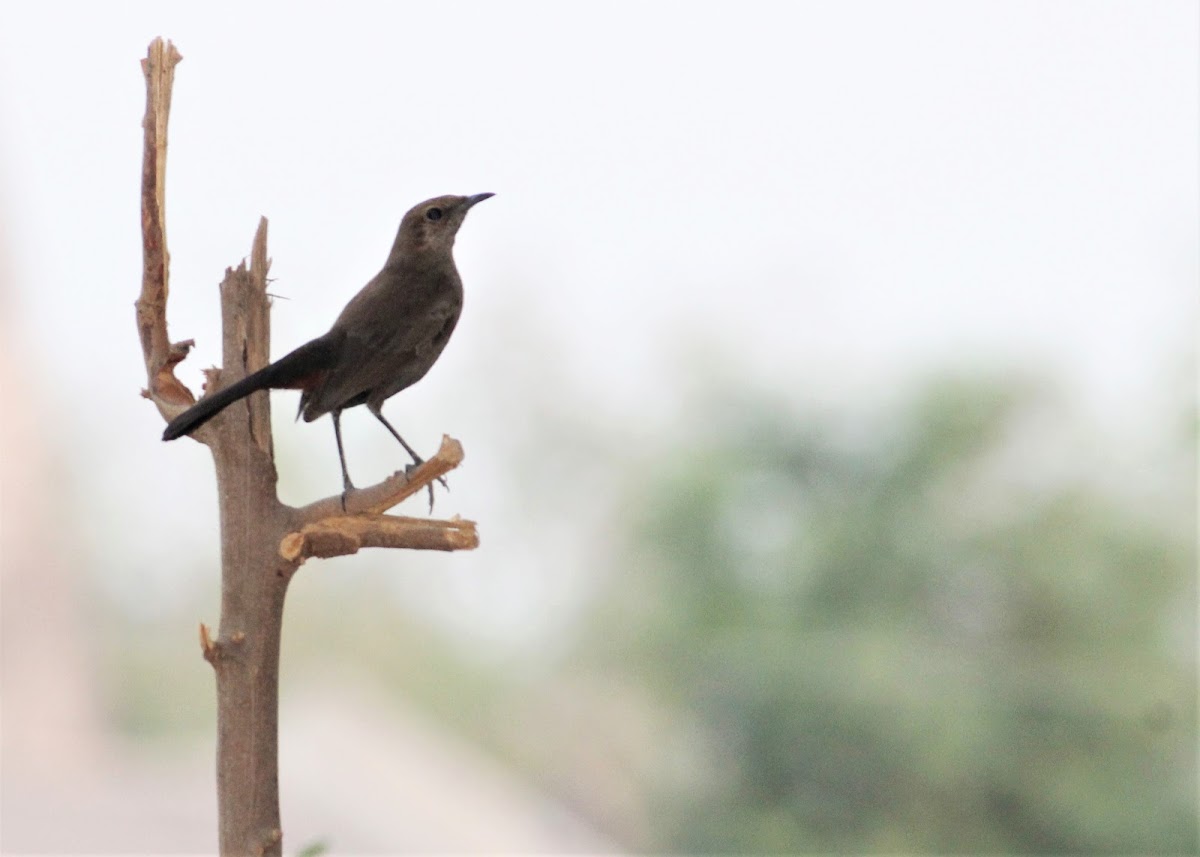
pixel 442 479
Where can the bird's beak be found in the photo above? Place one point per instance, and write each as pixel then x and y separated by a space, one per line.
pixel 479 197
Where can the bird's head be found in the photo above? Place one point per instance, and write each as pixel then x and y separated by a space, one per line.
pixel 430 226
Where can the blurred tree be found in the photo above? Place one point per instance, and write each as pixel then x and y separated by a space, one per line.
pixel 937 635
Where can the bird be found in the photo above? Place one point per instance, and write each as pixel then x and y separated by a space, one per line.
pixel 386 339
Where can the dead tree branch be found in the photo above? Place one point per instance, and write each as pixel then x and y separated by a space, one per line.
pixel 398 487
pixel 161 354
pixel 263 541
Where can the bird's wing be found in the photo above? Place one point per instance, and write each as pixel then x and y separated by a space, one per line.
pixel 379 360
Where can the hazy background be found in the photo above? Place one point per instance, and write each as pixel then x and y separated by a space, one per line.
pixel 827 384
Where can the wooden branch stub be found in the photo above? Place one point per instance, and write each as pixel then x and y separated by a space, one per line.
pixel 347 534
pixel 270 839
pixel 344 524
pixel 246 337
pixel 159 353
pixel 258 322
pixel 212 649
pixel 207 647
pixel 377 499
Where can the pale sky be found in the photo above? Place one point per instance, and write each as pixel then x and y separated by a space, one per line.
pixel 840 196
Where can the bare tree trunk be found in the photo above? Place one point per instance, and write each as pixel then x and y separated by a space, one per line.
pixel 263 542
pixel 254 578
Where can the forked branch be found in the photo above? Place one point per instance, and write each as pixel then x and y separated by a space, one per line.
pixel 263 541
pixel 160 354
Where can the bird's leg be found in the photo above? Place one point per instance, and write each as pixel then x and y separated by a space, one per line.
pixel 418 460
pixel 379 416
pixel 347 485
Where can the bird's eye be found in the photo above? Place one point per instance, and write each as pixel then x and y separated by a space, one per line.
pixel 433 214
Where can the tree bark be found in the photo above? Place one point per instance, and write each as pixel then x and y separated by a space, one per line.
pixel 254 577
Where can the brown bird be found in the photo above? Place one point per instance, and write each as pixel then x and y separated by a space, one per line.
pixel 386 338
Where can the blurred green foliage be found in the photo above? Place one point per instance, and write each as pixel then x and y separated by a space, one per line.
pixel 942 627
pixel 313 849
pixel 906 638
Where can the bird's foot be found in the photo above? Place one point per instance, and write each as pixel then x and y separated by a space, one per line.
pixel 347 487
pixel 408 472
pixel 417 462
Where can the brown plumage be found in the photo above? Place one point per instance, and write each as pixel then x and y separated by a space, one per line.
pixel 386 338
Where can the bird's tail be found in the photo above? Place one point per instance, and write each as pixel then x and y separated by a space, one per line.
pixel 299 370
